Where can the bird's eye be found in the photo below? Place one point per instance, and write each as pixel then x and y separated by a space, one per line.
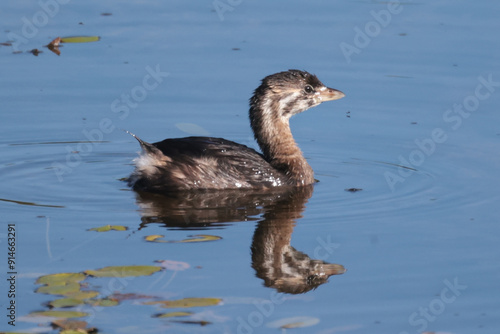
pixel 308 89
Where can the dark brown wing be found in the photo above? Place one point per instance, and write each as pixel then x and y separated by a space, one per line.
pixel 203 163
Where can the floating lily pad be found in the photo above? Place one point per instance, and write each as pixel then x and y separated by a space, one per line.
pixel 82 295
pixel 172 314
pixel 107 228
pixel 105 302
pixel 186 302
pixel 123 271
pixel 60 279
pixel 65 289
pixel 65 302
pixel 59 314
pixel 80 39
pixel 192 238
pixel 201 238
pixel 154 238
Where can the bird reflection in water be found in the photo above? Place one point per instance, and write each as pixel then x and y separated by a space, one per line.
pixel 275 261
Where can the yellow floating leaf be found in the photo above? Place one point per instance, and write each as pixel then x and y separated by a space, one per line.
pixel 65 302
pixel 201 238
pixel 172 314
pixel 65 289
pixel 107 228
pixel 105 302
pixel 186 302
pixel 82 295
pixel 59 314
pixel 80 39
pixel 60 279
pixel 192 238
pixel 154 237
pixel 123 271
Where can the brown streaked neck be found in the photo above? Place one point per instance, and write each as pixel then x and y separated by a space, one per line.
pixel 273 134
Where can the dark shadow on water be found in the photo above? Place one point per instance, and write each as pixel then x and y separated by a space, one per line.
pixel 275 261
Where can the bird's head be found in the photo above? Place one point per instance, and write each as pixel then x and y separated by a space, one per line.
pixel 292 92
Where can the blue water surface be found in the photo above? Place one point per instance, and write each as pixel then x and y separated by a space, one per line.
pixel 418 132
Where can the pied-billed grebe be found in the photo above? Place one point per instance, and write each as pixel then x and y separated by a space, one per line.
pixel 216 163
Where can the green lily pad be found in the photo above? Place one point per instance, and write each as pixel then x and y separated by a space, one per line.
pixel 123 271
pixel 201 238
pixel 80 39
pixel 60 279
pixel 104 302
pixel 65 289
pixel 186 302
pixel 65 302
pixel 172 314
pixel 59 314
pixel 107 228
pixel 82 295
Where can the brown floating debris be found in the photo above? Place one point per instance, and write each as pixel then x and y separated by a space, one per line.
pixel 55 42
pixel 353 190
pixel 193 322
pixel 54 46
pixel 35 52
